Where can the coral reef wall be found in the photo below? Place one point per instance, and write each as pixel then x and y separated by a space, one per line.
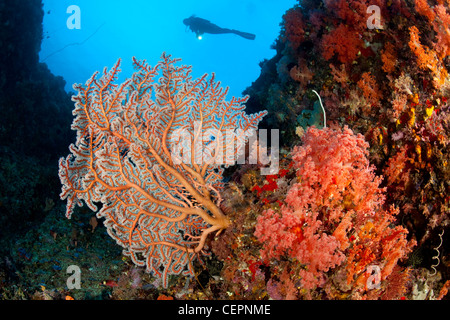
pixel 381 68
pixel 358 210
pixel 35 121
pixel 386 79
pixel 20 39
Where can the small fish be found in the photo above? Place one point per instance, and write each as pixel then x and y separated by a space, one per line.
pixel 110 283
pixel 200 26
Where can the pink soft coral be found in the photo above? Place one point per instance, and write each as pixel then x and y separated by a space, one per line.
pixel 297 235
pixel 337 198
pixel 277 232
pixel 335 174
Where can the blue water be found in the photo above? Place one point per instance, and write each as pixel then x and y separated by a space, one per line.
pixel 145 28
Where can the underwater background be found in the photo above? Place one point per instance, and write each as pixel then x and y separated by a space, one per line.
pixel 355 91
pixel 145 29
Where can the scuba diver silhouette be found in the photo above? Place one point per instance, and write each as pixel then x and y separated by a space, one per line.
pixel 201 26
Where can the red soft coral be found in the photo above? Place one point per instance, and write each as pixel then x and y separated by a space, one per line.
pixel 343 41
pixel 294 27
pixel 354 12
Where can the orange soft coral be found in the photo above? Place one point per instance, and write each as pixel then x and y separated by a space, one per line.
pixel 424 9
pixel 369 86
pixel 388 58
pixel 427 59
pixel 440 20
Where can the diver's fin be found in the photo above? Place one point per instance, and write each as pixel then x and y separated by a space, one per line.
pixel 246 35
